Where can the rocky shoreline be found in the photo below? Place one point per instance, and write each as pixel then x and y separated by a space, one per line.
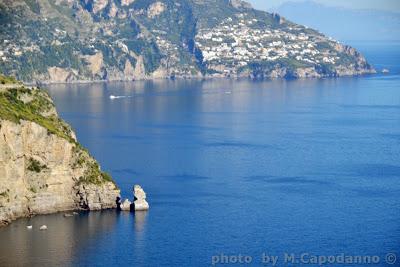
pixel 278 74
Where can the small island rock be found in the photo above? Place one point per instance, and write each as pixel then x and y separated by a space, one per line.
pixel 140 198
pixel 126 205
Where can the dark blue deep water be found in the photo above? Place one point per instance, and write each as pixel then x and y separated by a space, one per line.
pixel 232 167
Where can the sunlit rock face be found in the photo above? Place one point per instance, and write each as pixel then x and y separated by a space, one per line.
pixel 139 203
pixel 140 198
pixel 43 169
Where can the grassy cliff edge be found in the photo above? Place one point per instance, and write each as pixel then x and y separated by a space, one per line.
pixel 43 168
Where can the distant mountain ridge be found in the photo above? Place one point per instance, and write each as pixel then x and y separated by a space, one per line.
pixel 344 23
pixel 86 40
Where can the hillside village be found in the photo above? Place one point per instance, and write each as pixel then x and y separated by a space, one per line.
pixel 234 45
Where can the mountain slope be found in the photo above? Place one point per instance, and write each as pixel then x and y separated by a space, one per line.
pixel 67 40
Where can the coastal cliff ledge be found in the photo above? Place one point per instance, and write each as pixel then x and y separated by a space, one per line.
pixel 43 168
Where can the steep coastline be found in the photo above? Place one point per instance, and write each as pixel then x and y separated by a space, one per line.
pixel 43 168
pixel 68 41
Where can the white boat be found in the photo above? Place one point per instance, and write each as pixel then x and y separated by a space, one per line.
pixel 118 96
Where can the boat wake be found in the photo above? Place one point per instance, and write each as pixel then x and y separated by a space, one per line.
pixel 119 96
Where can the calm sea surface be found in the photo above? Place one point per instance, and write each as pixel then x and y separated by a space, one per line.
pixel 232 167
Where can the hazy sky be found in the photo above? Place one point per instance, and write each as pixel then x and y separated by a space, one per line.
pixel 391 5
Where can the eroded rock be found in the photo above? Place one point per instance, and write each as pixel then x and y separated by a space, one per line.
pixel 240 4
pixel 140 199
pixel 126 205
pixel 95 63
pixel 140 71
pixel 126 2
pixel 156 9
pixel 57 74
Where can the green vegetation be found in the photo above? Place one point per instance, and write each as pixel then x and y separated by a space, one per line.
pixel 326 69
pixel 324 46
pixel 7 80
pixel 345 59
pixel 35 166
pixel 21 103
pixel 152 57
pixel 5 193
pixel 12 108
pixel 293 63
pixel 129 30
pixel 261 68
pixel 211 17
pixel 33 5
pixel 33 189
pixel 106 177
pixel 93 175
pixel 80 160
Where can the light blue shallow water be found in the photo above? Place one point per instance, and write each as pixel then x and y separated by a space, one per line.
pixel 233 167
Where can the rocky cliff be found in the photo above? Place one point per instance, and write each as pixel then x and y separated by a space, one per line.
pixel 86 40
pixel 43 169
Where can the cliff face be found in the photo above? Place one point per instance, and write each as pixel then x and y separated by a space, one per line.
pixel 43 169
pixel 75 40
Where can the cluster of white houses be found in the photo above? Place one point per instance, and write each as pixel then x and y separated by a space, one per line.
pixel 235 44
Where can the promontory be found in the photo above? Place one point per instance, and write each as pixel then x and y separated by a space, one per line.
pixel 43 168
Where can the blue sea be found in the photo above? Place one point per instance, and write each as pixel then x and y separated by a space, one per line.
pixel 233 168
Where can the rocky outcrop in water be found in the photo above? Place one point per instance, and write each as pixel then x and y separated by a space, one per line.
pixel 139 203
pixel 140 198
pixel 43 168
pixel 126 205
